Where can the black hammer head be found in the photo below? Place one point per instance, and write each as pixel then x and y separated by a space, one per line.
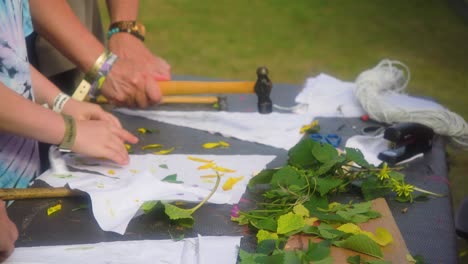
pixel 263 88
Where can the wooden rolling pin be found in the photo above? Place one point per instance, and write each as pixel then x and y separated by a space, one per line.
pixel 36 193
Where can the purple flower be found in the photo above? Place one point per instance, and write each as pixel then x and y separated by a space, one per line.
pixel 235 211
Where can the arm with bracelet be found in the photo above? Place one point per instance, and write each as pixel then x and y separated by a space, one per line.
pixel 126 83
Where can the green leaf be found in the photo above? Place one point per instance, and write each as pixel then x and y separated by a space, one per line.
pixel 175 212
pixel 301 154
pixel 265 235
pixel 264 177
pixel 324 152
pixel 164 166
pixel 372 188
pixel 315 202
pixel 325 185
pixel 355 155
pixel 329 165
pixel 148 206
pixel 171 178
pixel 269 224
pixel 287 176
pixel 301 210
pixel 378 261
pixel 289 222
pixel 329 232
pixel 354 259
pixel 266 246
pixel 317 252
pixel 361 243
pixel 249 258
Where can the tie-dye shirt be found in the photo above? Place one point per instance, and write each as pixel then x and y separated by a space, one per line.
pixel 19 157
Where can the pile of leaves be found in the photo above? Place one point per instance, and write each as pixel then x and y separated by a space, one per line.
pixel 296 200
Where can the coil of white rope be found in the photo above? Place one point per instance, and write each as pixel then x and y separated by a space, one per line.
pixel 389 77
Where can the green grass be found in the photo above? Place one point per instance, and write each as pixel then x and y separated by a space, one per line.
pixel 301 38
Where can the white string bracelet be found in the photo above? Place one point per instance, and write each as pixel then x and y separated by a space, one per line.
pixel 60 100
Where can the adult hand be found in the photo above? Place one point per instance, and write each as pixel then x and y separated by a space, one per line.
pixel 88 111
pixel 130 85
pixel 98 139
pixel 126 45
pixel 8 234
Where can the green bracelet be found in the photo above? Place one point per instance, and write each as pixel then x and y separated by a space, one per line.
pixel 70 134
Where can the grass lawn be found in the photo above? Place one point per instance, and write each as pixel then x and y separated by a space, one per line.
pixel 301 38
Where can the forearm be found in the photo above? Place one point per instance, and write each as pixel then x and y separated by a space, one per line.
pixel 44 90
pixel 122 10
pixel 56 22
pixel 23 117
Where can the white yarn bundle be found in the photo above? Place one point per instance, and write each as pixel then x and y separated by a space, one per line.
pixel 375 86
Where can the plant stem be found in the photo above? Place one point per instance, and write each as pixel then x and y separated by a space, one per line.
pixel 218 180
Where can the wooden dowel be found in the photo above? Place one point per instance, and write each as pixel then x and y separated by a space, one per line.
pixel 35 193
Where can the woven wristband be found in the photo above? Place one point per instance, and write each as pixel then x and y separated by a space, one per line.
pixel 60 100
pixel 102 74
pixel 70 134
pixel 92 74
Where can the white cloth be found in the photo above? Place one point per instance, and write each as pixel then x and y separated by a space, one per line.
pixel 276 129
pixel 119 192
pixel 201 250
pixel 326 96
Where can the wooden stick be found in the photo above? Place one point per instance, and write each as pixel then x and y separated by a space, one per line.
pixel 175 100
pixel 35 193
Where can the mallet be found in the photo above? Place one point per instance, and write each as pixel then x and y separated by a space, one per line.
pixel 262 87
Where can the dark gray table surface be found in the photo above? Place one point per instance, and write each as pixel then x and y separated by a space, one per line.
pixel 427 227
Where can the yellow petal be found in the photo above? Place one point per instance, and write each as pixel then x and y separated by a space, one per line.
pixel 210 145
pixel 207 166
pixel 152 146
pixel 134 171
pixel 199 159
pixel 111 172
pixel 410 258
pixel 223 144
pixel 230 182
pixel 221 169
pixel 54 209
pixel 164 151
pixel 128 147
pixel 142 130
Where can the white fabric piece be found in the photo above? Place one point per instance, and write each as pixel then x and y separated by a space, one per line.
pixel 119 192
pixel 326 96
pixel 215 250
pixel 276 129
pixel 371 146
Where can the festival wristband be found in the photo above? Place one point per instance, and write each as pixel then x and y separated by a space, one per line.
pixel 102 74
pixel 69 135
pixel 60 100
pixel 92 74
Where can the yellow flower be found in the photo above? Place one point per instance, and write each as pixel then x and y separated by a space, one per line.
pixel 403 189
pixel 383 174
pixel 308 127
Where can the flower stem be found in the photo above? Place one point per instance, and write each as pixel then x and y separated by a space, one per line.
pixel 428 192
pixel 218 180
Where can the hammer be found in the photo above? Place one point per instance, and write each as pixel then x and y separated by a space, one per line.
pixel 262 87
